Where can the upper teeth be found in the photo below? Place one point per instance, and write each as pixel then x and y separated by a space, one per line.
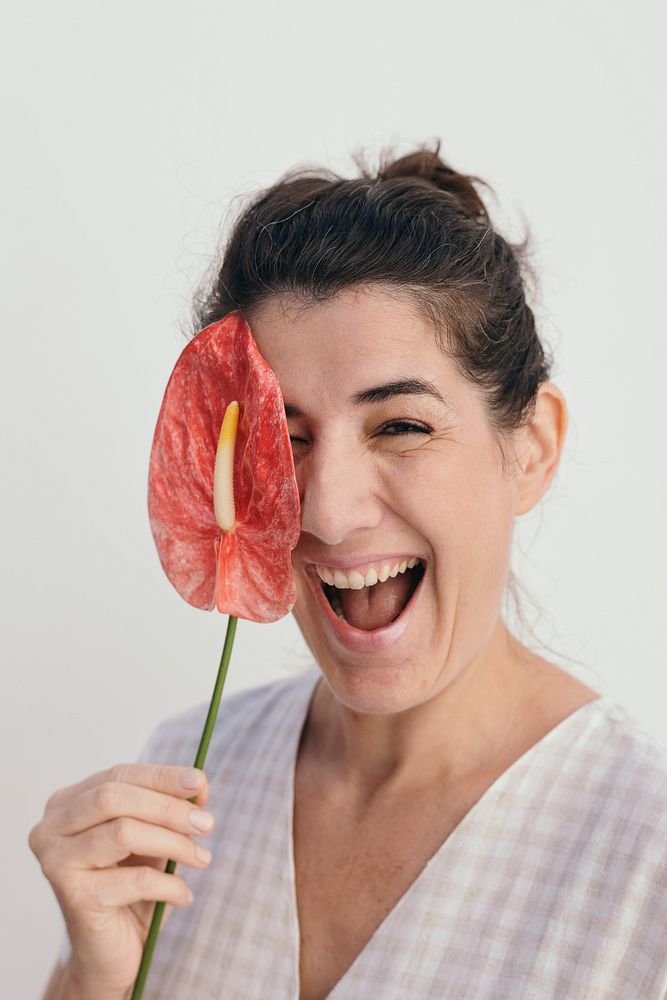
pixel 355 579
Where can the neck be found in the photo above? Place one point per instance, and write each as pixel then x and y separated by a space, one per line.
pixel 445 739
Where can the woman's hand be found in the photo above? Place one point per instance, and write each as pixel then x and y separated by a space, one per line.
pixel 103 845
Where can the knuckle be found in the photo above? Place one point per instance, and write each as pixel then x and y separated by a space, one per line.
pixel 54 800
pixel 34 839
pixel 168 779
pixel 164 775
pixel 144 879
pixel 121 831
pixel 48 863
pixel 119 772
pixel 107 796
pixel 44 850
pixel 166 811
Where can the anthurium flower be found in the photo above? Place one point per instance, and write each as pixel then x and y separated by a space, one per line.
pixel 243 569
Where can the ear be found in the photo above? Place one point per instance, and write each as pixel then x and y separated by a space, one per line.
pixel 538 447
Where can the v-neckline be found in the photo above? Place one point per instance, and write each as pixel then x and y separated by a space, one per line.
pixel 301 712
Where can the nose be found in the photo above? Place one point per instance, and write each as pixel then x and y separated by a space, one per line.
pixel 338 493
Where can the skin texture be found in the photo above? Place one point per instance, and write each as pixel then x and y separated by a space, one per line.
pixel 103 844
pixel 423 727
pixel 452 689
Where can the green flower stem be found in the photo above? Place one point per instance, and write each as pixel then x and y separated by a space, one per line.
pixel 154 929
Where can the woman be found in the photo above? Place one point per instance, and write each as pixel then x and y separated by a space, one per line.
pixel 435 810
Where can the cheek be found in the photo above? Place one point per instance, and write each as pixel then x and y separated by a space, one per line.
pixel 303 593
pixel 464 509
pixel 487 524
pixel 301 599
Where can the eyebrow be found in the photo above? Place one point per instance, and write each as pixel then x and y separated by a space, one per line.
pixel 390 390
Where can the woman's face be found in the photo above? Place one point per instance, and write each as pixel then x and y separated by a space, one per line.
pixel 395 462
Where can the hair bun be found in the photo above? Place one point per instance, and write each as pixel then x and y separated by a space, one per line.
pixel 426 164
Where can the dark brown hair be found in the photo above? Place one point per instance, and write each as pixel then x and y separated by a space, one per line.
pixel 416 226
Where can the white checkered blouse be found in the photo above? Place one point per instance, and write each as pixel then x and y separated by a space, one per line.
pixel 552 887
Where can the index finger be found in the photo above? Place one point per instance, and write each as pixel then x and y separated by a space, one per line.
pixel 185 782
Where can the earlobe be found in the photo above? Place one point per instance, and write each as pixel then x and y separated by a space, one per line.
pixel 540 446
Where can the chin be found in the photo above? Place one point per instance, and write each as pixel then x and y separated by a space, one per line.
pixel 375 685
pixel 377 673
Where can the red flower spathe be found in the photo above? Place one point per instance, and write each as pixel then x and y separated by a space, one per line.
pixel 247 571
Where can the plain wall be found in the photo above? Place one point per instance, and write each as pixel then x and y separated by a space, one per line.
pixel 129 134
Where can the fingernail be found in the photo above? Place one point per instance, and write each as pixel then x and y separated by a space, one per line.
pixel 201 820
pixel 203 854
pixel 191 778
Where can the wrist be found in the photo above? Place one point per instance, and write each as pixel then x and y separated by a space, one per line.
pixel 75 985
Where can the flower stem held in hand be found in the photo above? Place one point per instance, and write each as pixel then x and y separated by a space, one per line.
pixel 225 516
pixel 154 929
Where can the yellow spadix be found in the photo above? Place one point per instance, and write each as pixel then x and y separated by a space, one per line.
pixel 223 472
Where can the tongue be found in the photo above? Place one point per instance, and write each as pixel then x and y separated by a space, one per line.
pixel 376 606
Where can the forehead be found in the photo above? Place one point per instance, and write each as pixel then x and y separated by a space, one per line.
pixel 360 337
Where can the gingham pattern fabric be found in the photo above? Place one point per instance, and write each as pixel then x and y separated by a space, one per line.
pixel 552 887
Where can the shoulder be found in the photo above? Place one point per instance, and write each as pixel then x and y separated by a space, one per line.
pixel 619 842
pixel 243 717
pixel 623 742
pixel 621 773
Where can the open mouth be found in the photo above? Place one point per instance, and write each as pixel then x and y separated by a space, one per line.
pixel 375 605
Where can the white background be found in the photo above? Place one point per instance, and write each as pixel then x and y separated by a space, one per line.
pixel 129 133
